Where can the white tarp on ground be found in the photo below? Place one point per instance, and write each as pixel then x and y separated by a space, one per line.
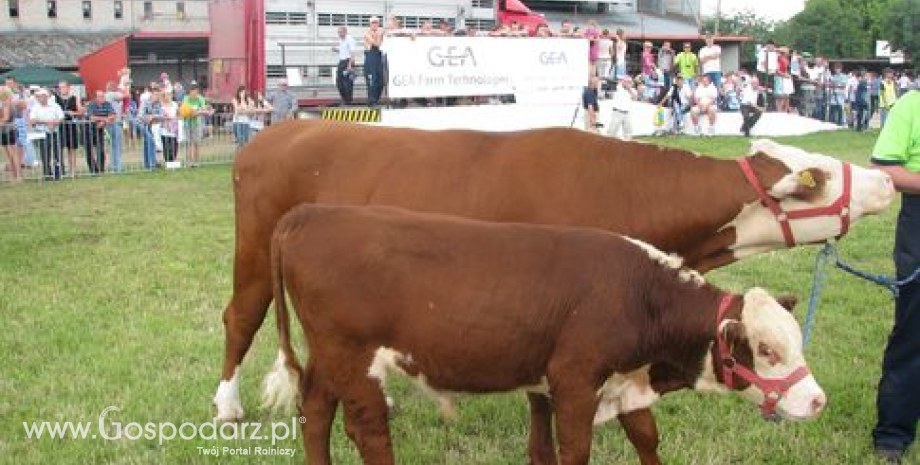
pixel 524 116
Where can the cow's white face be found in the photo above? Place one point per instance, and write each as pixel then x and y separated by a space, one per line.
pixel 814 181
pixel 775 342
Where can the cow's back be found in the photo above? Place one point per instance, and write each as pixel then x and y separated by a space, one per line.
pixel 546 176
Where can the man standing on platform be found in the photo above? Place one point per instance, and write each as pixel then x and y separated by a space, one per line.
pixel 345 71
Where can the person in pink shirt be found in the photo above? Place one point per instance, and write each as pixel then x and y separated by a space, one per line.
pixel 593 34
pixel 649 69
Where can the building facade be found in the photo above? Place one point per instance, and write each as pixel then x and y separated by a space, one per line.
pixel 103 16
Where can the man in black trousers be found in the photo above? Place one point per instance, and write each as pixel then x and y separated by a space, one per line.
pixel 345 71
pixel 897 152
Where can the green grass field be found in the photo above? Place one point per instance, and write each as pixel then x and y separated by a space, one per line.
pixel 112 290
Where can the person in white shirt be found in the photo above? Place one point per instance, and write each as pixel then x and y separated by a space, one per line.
pixel 46 116
pixel 345 71
pixel 604 54
pixel 619 49
pixel 767 64
pixel 904 83
pixel 621 103
pixel 704 102
pixel 750 106
pixel 711 61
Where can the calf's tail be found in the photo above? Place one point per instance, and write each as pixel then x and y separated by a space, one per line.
pixel 281 388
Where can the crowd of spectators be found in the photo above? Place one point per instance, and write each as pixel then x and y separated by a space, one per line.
pixel 782 79
pixel 49 127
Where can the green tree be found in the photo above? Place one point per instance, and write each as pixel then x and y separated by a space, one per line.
pixel 744 23
pixel 900 25
pixel 826 27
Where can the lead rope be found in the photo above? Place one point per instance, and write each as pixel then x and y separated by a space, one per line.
pixel 816 284
pixel 830 249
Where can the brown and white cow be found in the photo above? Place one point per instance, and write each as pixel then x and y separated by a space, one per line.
pixel 702 208
pixel 599 324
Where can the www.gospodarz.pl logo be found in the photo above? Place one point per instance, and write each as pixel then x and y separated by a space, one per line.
pixel 164 431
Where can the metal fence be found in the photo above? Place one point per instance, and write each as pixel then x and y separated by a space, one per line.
pixel 79 148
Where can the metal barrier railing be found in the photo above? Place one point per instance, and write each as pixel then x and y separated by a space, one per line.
pixel 78 147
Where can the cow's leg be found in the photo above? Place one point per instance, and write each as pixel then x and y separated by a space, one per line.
pixel 366 420
pixel 643 434
pixel 242 318
pixel 574 405
pixel 541 449
pixel 318 408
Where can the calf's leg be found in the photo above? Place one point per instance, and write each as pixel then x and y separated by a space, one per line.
pixel 366 420
pixel 643 434
pixel 574 405
pixel 542 449
pixel 318 408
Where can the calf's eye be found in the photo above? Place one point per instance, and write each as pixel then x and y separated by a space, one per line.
pixel 765 351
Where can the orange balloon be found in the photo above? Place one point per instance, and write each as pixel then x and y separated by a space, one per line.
pixel 186 111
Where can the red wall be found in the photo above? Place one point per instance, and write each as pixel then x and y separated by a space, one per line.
pixel 228 60
pixel 101 66
pixel 255 45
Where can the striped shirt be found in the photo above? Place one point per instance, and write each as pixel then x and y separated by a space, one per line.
pixel 104 109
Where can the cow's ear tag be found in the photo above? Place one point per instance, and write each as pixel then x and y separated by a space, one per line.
pixel 807 179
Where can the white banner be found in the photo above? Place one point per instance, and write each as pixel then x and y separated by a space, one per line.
pixel 538 68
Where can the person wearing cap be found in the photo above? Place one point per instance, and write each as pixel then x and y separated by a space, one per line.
pixel 45 117
pixel 345 71
pixel 897 153
pixel 283 102
pixel 373 61
pixel 620 105
pixel 688 65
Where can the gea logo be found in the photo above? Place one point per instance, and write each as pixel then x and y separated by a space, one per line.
pixel 553 58
pixel 451 56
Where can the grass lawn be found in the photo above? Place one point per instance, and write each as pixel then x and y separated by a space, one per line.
pixel 112 290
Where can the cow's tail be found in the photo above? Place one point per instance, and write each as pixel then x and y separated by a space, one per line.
pixel 282 385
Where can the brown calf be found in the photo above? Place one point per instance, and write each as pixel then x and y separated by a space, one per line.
pixel 600 324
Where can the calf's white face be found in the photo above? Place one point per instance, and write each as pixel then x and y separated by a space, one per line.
pixel 814 180
pixel 775 341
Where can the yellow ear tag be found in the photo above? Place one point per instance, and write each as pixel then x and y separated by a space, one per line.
pixel 806 179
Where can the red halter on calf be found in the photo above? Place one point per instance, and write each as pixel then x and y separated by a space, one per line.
pixel 840 207
pixel 773 389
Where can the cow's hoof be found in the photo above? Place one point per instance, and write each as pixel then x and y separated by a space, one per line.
pixel 228 411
